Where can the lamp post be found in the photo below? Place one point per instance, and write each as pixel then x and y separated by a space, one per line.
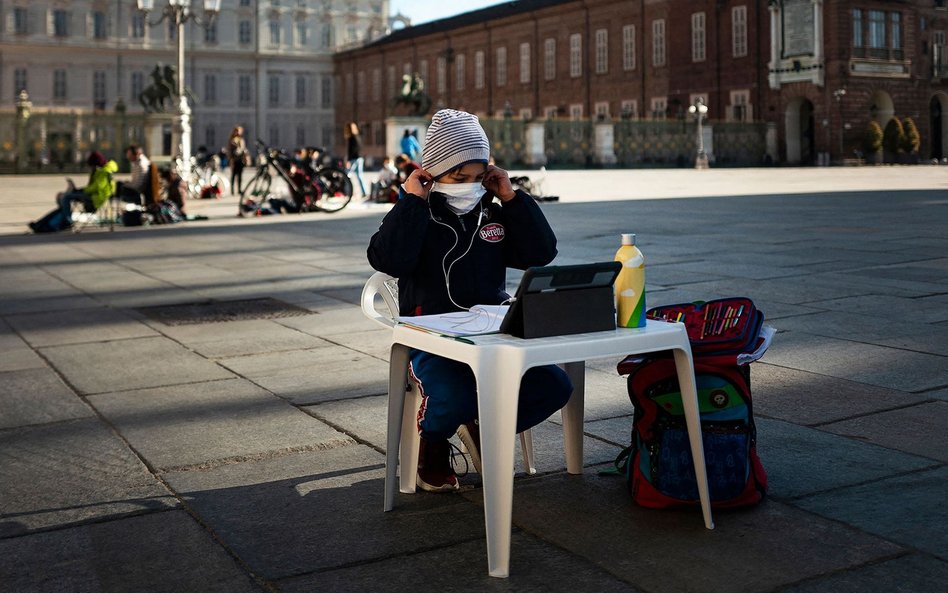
pixel 699 109
pixel 838 94
pixel 179 12
pixel 23 107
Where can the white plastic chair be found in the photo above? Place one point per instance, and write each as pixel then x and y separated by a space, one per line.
pixel 386 287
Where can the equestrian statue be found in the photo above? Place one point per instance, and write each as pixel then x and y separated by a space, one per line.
pixel 163 88
pixel 413 95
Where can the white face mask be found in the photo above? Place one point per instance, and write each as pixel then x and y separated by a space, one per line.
pixel 462 197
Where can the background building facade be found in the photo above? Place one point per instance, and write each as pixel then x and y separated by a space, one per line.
pixel 263 64
pixel 814 71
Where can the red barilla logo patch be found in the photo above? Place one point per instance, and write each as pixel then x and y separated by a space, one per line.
pixel 493 232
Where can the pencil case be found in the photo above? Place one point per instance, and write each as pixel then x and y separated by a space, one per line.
pixel 722 326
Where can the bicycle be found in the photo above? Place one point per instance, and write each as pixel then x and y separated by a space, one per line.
pixel 325 188
pixel 204 182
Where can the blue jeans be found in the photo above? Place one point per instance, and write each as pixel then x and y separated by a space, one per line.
pixel 65 203
pixel 449 395
pixel 355 167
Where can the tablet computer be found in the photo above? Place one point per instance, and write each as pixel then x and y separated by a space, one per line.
pixel 560 300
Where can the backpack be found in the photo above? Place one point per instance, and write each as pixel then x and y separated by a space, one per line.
pixel 658 464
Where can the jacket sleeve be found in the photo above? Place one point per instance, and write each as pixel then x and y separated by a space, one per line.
pixel 396 247
pixel 529 239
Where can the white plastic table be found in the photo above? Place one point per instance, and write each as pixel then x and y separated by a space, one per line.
pixel 499 362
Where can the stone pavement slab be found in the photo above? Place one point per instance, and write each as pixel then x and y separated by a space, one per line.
pixel 909 509
pixel 130 364
pixel 322 510
pixel 809 398
pixel 753 550
pixel 540 568
pixel 71 472
pixel 915 573
pixel 15 354
pixel 239 338
pixel 315 375
pixel 920 429
pixel 37 396
pixel 158 552
pixel 864 363
pixel 797 461
pixel 77 326
pixel 206 424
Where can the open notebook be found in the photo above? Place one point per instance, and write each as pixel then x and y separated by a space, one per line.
pixel 481 319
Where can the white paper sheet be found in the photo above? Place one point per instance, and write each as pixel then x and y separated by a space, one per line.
pixel 481 319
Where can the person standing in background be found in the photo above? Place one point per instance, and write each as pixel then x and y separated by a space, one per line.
pixel 410 146
pixel 238 157
pixel 354 160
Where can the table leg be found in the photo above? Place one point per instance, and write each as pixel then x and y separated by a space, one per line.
pixel 572 414
pixel 684 366
pixel 498 391
pixel 397 371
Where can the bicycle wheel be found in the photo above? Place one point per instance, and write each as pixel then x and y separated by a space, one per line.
pixel 255 193
pixel 336 190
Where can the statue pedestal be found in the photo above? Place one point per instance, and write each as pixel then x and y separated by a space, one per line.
pixel 157 144
pixel 395 128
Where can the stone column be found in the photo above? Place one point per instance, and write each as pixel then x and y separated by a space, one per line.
pixel 604 144
pixel 774 77
pixel 536 148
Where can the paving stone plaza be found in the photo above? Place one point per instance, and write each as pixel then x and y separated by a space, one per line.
pixel 201 452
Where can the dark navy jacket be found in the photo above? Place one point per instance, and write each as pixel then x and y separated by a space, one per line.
pixel 411 245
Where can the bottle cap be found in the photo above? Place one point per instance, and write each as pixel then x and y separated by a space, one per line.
pixel 628 238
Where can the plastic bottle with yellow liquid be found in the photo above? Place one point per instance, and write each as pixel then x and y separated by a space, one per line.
pixel 630 284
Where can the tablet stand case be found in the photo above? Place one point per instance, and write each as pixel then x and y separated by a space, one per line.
pixel 563 312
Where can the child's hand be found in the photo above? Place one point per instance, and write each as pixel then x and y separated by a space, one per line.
pixel 418 183
pixel 497 182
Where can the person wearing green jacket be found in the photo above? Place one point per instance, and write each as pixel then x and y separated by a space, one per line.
pixel 100 188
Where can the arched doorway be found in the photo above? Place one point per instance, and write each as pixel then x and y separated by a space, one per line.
pixel 938 124
pixel 881 108
pixel 800 132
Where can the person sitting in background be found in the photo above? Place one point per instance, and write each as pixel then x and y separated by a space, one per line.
pixel 386 186
pixel 405 167
pixel 100 188
pixel 138 185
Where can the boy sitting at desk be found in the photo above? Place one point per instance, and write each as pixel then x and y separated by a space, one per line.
pixel 449 244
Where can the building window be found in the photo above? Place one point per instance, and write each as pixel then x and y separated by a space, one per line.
pixel 60 23
pixel 575 55
pixel 895 28
pixel 698 37
pixel 601 108
pixel 59 85
pixel 21 20
pixel 301 34
pixel 350 91
pixel 19 81
pixel 274 135
pixel 501 66
pixel 172 31
pixel 630 109
pixel 328 36
pixel 602 51
pixel 301 90
pixel 460 71
pixel 423 70
pixel 442 75
pixel 326 92
pixel 274 90
pixel 659 107
pixel 210 136
pixel 524 63
pixel 360 87
pixel 390 81
pixel 99 25
pixel 526 114
pixel 857 28
pixel 479 70
pixel 138 25
pixel 300 136
pixel 658 42
pixel 137 84
pixel 377 85
pixel 576 111
pixel 210 33
pixel 274 32
pixel 245 2
pixel 549 59
pixel 739 31
pixel 406 68
pixel 244 33
pixel 628 47
pixel 876 29
pixel 210 89
pixel 549 112
pixel 740 110
pixel 244 90
pixel 98 90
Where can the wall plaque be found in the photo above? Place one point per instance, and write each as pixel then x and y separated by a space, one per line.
pixel 798 28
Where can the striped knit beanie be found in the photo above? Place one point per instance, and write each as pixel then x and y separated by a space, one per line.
pixel 454 138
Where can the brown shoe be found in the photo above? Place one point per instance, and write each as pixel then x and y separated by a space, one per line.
pixel 470 435
pixel 435 473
